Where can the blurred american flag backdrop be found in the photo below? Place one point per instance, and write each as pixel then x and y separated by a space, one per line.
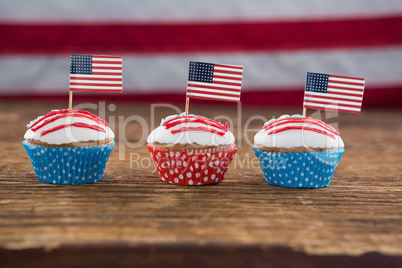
pixel 276 41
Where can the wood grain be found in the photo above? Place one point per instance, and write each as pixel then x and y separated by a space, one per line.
pixel 131 208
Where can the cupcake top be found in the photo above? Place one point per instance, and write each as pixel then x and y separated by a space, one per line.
pixel 296 132
pixel 195 129
pixel 68 126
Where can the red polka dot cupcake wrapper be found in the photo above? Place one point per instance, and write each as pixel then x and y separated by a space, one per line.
pixel 192 167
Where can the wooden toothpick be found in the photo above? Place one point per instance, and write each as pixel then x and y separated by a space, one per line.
pixel 70 100
pixel 187 104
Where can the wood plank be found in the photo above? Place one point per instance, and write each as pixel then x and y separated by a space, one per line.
pixel 360 212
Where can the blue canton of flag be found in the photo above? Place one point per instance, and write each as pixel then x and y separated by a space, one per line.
pixel 81 64
pixel 317 82
pixel 201 72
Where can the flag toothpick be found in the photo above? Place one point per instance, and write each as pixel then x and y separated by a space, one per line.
pixel 333 92
pixel 95 73
pixel 210 81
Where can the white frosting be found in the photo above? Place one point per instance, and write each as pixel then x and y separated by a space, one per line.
pixel 204 138
pixel 69 134
pixel 296 137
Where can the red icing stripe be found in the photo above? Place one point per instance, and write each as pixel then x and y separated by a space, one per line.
pixel 307 120
pixel 182 129
pixel 278 124
pixel 70 112
pixel 82 125
pixel 50 120
pixel 196 119
pixel 46 116
pixel 302 128
pixel 328 130
pixel 304 121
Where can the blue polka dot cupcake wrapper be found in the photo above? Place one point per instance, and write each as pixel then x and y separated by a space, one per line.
pixel 64 165
pixel 299 170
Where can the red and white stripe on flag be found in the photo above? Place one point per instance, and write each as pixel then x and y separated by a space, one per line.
pixel 338 93
pixel 331 36
pixel 222 83
pixel 96 73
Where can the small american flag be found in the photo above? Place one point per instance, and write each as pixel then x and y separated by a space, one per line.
pixel 214 81
pixel 96 73
pixel 333 92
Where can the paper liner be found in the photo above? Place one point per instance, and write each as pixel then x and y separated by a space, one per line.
pixel 192 167
pixel 68 165
pixel 299 170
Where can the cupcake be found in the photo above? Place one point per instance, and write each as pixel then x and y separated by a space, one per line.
pixel 191 151
pixel 68 146
pixel 298 152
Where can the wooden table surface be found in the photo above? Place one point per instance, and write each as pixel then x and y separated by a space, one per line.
pixel 132 217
